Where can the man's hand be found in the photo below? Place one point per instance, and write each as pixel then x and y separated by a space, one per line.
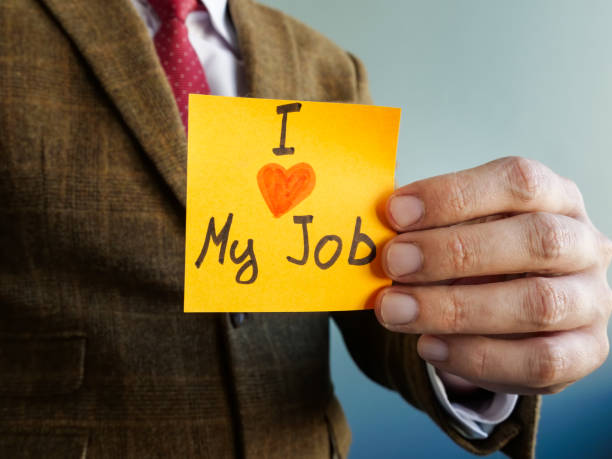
pixel 503 272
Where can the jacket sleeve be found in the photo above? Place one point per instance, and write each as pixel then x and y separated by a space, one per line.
pixel 391 360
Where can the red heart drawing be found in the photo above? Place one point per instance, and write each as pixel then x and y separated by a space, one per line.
pixel 284 189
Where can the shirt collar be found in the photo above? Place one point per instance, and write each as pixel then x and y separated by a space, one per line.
pixel 219 16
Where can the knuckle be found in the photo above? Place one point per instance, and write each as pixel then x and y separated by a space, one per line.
pixel 525 177
pixel 546 365
pixel 479 362
pixel 577 194
pixel 462 253
pixel 546 305
pixel 549 238
pixel 604 307
pixel 604 351
pixel 458 195
pixel 454 316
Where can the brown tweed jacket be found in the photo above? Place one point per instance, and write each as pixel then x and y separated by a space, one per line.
pixel 97 358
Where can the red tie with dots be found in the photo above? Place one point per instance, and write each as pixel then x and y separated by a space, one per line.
pixel 178 58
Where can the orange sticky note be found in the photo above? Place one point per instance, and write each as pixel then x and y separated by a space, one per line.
pixel 285 204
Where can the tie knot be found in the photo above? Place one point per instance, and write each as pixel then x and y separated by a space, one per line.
pixel 169 9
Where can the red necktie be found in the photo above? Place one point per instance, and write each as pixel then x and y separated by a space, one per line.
pixel 178 58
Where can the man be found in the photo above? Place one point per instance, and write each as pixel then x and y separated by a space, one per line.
pixel 97 358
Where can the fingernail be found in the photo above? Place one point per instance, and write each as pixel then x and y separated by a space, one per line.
pixel 431 348
pixel 403 258
pixel 406 210
pixel 398 309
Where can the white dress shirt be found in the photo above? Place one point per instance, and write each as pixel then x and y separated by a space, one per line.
pixel 214 40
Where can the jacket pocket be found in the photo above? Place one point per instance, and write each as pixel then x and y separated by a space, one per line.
pixel 41 364
pixel 49 446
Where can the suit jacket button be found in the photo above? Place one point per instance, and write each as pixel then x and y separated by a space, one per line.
pixel 237 318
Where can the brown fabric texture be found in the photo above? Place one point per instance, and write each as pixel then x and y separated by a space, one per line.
pixel 97 358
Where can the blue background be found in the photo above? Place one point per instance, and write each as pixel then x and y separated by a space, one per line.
pixel 476 80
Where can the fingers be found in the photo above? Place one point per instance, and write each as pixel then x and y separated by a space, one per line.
pixel 534 242
pixel 537 364
pixel 506 185
pixel 525 305
pixel 526 335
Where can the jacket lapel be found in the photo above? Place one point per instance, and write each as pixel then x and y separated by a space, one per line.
pixel 115 43
pixel 268 50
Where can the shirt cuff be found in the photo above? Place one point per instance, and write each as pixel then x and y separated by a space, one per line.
pixel 478 421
